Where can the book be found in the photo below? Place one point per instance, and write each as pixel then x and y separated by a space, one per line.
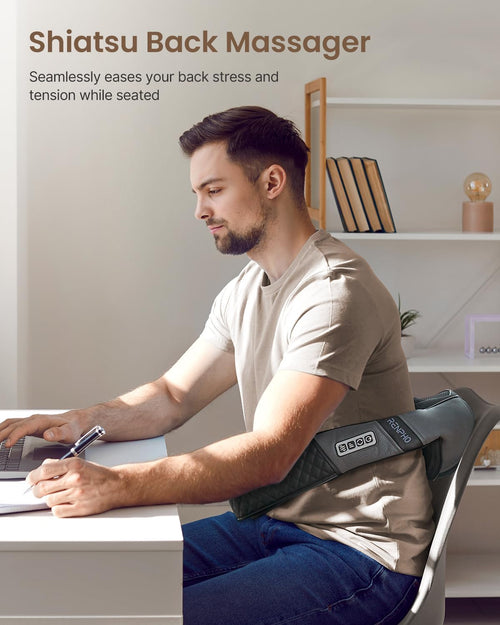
pixel 366 194
pixel 374 177
pixel 352 192
pixel 344 208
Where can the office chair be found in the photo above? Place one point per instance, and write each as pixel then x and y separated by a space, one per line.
pixel 429 605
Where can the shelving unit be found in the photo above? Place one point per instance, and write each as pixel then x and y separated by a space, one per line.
pixel 316 98
pixel 473 561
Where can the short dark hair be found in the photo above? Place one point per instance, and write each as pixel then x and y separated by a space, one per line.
pixel 255 138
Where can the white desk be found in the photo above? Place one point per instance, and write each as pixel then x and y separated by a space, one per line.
pixel 122 567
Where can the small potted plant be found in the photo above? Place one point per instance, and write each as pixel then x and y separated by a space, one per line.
pixel 407 319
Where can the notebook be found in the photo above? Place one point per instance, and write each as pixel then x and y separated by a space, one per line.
pixel 14 497
pixel 27 454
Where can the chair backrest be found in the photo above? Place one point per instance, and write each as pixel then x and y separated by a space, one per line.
pixel 428 607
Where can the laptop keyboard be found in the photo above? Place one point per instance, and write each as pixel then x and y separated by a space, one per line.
pixel 10 457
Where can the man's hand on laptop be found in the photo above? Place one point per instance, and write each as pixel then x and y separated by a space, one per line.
pixel 62 428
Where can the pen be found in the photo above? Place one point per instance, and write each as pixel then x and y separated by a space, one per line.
pixel 83 442
pixel 81 445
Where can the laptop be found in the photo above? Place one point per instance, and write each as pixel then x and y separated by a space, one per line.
pixel 27 454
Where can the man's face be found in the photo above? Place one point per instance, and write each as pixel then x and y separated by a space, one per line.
pixel 234 209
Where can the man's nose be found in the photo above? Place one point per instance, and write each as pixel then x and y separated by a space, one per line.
pixel 202 211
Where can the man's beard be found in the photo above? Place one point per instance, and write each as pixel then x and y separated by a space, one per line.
pixel 241 243
pixel 236 244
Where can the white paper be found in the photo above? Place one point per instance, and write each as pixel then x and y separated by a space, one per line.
pixel 13 497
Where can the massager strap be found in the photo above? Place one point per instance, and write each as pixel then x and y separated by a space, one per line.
pixel 441 425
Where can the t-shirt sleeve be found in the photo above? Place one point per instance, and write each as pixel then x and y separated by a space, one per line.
pixel 334 329
pixel 216 329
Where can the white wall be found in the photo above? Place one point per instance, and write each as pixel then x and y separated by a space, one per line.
pixel 115 276
pixel 8 207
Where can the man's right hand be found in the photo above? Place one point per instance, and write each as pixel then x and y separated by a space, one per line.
pixel 66 427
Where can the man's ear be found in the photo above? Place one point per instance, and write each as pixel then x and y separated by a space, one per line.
pixel 274 180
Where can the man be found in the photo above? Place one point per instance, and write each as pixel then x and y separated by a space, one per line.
pixel 312 338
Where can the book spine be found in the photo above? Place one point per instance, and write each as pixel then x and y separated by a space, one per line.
pixel 352 191
pixel 343 206
pixel 366 194
pixel 374 177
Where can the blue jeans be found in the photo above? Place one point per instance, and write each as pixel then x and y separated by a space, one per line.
pixel 266 572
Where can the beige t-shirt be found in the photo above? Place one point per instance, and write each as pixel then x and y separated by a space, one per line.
pixel 329 315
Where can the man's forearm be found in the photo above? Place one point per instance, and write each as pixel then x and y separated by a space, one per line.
pixel 147 411
pixel 214 473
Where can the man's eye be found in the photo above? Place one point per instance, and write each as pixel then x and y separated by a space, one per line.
pixel 213 191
